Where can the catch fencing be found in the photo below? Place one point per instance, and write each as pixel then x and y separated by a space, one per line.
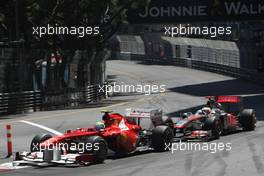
pixel 223 57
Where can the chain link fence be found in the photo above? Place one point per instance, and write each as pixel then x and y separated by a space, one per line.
pixel 41 79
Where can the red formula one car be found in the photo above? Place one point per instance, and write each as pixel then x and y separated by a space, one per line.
pixel 221 114
pixel 120 134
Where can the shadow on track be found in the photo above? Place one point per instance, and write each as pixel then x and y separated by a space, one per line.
pixel 120 156
pixel 256 102
pixel 227 87
pixel 253 94
pixel 110 157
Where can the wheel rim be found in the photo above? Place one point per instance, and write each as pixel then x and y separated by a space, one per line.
pixel 254 120
pixel 101 153
pixel 218 127
pixel 168 137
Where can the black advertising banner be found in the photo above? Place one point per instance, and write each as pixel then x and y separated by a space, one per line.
pixel 169 11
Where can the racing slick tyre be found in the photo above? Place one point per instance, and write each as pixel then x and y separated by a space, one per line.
pixel 99 148
pixel 34 146
pixel 161 136
pixel 214 124
pixel 248 119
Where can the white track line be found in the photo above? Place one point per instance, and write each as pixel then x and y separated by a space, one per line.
pixel 42 127
pixel 10 166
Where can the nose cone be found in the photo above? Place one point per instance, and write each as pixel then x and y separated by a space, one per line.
pixel 181 123
pixel 184 122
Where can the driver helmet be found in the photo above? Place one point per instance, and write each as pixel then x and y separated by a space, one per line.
pixel 184 115
pixel 206 110
pixel 218 105
pixel 99 126
pixel 200 112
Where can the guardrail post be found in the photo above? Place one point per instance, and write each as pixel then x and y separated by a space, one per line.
pixel 105 90
pixel 9 141
pixel 34 101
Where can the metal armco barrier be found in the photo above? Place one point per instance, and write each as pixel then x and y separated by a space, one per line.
pixel 246 74
pixel 200 65
pixel 31 101
pixel 9 140
pixel 218 56
pixel 19 102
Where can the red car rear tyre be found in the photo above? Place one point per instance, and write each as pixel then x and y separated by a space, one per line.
pixel 161 135
pixel 99 149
